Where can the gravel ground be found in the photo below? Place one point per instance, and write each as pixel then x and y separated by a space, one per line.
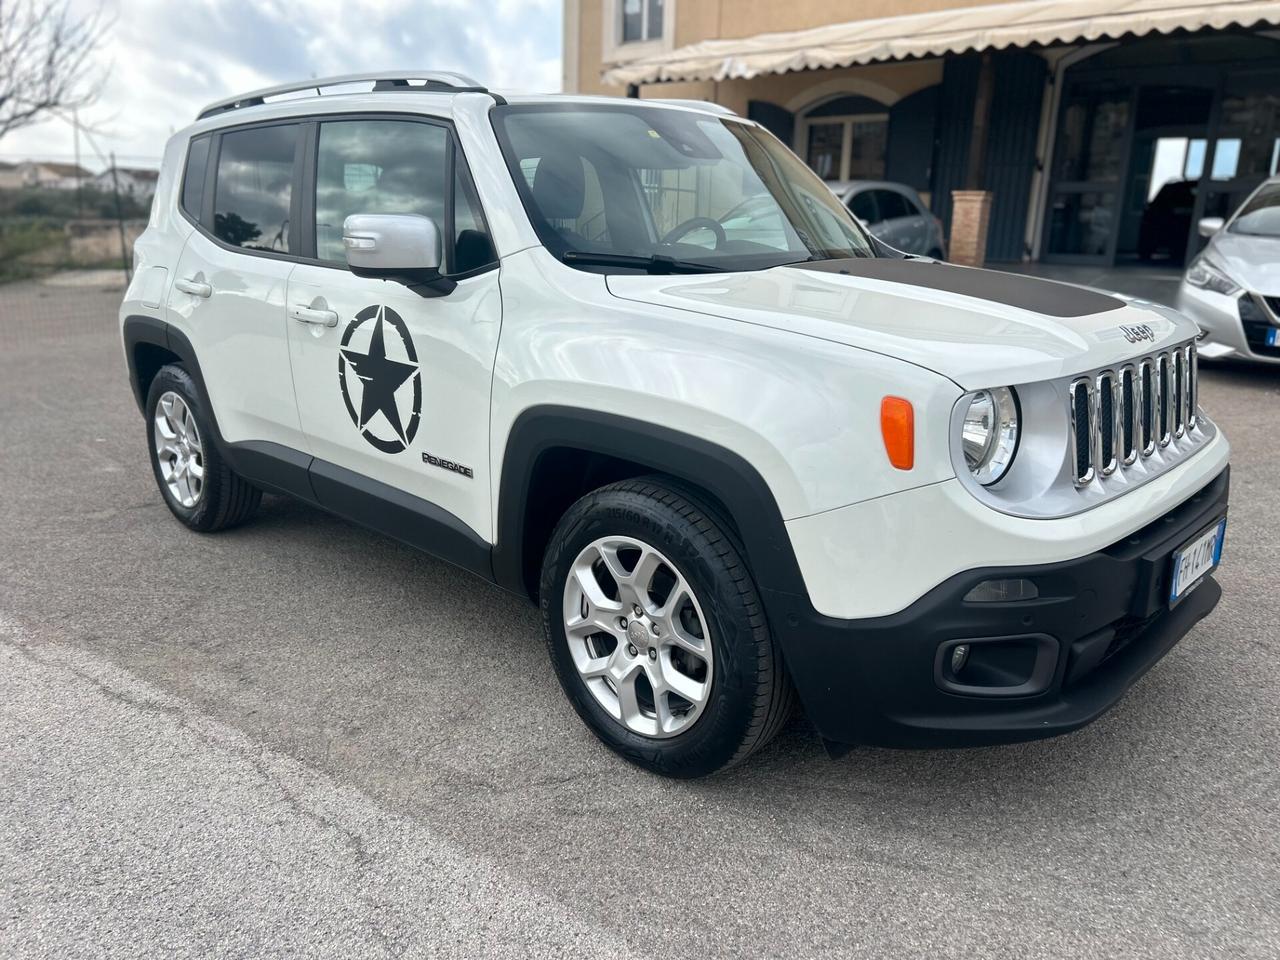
pixel 252 744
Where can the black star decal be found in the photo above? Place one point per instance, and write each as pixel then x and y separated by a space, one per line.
pixel 381 378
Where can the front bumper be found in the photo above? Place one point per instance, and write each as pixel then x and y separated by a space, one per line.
pixel 1102 621
pixel 1227 334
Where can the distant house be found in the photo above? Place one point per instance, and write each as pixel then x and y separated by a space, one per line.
pixel 52 176
pixel 137 183
pixel 10 178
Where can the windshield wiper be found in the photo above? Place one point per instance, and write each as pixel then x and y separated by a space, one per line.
pixel 657 263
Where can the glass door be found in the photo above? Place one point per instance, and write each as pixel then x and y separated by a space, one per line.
pixel 1247 148
pixel 1088 169
pixel 1167 160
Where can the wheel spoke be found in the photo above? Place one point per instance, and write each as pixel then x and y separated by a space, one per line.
pixel 598 602
pixel 629 702
pixel 195 468
pixel 684 685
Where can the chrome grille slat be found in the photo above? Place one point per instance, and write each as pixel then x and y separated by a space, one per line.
pixel 1164 431
pixel 1082 430
pixel 1119 417
pixel 1129 414
pixel 1150 403
pixel 1179 393
pixel 1106 418
pixel 1192 385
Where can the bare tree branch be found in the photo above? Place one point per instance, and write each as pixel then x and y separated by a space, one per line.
pixel 46 60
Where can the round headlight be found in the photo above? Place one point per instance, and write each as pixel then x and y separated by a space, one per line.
pixel 989 433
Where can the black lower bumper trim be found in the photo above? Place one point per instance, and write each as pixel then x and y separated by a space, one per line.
pixel 876 681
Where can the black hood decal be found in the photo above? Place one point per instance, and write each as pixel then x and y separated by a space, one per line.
pixel 1048 297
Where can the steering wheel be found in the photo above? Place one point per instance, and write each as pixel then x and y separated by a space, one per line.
pixel 695 223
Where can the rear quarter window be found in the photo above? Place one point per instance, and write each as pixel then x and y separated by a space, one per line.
pixel 193 177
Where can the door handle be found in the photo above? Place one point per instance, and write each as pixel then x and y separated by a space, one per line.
pixel 323 318
pixel 197 288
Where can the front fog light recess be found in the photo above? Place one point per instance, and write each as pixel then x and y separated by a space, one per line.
pixel 989 433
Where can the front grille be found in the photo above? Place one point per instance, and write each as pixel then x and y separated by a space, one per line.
pixel 1123 416
pixel 1257 325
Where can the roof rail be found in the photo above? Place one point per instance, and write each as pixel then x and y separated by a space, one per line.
pixel 706 105
pixel 434 80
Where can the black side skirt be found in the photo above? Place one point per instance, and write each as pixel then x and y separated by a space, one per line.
pixel 370 503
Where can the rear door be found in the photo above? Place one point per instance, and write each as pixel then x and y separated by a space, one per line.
pixel 228 293
pixel 393 385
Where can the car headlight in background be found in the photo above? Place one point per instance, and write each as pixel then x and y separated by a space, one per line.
pixel 989 433
pixel 1208 276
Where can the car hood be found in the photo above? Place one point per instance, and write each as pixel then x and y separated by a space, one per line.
pixel 1249 261
pixel 980 328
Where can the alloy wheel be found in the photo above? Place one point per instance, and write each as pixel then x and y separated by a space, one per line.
pixel 178 449
pixel 638 636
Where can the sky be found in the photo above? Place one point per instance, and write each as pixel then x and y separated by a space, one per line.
pixel 162 60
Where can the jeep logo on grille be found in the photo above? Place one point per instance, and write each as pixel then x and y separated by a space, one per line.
pixel 1137 332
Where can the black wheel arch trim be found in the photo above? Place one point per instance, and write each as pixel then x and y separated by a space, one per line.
pixel 723 474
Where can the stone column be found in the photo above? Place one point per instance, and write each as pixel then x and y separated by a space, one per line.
pixel 970 217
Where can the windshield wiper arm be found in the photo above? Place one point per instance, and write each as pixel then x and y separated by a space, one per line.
pixel 655 264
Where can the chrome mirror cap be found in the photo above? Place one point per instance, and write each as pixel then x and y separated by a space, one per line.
pixel 387 243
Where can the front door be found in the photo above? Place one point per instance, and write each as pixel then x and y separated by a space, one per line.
pixel 393 385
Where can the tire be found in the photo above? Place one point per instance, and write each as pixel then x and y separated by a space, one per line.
pixel 222 499
pixel 747 693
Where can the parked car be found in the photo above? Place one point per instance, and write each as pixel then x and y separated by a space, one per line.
pixel 938 506
pixel 894 213
pixel 1232 289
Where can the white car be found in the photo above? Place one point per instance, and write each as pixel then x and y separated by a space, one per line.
pixel 894 213
pixel 1232 289
pixel 936 505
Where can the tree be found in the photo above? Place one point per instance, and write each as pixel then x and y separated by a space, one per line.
pixel 46 60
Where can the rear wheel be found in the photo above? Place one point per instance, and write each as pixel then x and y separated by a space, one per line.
pixel 197 484
pixel 657 632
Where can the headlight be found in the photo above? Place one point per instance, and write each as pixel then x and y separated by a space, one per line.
pixel 1206 275
pixel 989 433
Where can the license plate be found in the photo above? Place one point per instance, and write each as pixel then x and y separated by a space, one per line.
pixel 1273 336
pixel 1195 559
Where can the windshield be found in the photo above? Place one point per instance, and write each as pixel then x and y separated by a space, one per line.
pixel 1260 217
pixel 605 183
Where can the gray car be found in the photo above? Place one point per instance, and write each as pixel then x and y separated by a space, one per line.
pixel 894 213
pixel 1232 289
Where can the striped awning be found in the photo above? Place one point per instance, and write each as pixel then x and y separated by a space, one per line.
pixel 994 26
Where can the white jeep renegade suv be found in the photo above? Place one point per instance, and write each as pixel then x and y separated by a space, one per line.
pixel 633 360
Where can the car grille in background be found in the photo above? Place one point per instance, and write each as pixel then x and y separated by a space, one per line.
pixel 1121 416
pixel 1257 324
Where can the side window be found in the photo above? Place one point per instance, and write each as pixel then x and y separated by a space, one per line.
pixel 378 166
pixel 863 206
pixel 193 177
pixel 893 205
pixel 254 187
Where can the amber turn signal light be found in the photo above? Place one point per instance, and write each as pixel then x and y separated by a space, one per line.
pixel 898 427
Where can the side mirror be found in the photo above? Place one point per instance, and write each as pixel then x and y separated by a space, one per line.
pixel 396 246
pixel 1209 226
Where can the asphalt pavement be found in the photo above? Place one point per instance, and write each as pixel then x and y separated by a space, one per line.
pixel 299 738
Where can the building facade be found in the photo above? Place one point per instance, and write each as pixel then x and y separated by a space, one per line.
pixel 1099 132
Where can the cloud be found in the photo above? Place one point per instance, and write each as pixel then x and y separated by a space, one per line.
pixel 165 60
